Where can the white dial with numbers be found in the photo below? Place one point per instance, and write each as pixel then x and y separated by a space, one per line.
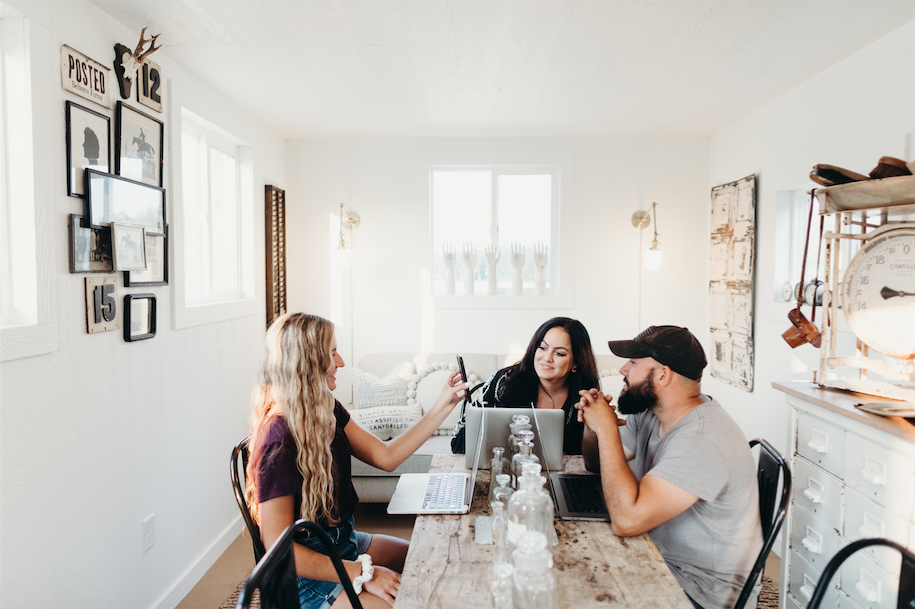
pixel 878 293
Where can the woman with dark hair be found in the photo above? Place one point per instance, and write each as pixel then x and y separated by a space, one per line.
pixel 557 364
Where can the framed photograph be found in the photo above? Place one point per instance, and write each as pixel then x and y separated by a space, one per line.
pixel 156 272
pixel 88 145
pixel 113 199
pixel 138 139
pixel 90 248
pixel 139 317
pixel 129 247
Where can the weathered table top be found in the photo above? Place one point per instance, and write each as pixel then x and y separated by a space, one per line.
pixel 593 567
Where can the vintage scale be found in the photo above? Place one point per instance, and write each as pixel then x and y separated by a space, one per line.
pixel 877 291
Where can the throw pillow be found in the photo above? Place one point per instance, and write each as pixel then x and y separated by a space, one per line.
pixel 611 382
pixel 369 390
pixel 387 422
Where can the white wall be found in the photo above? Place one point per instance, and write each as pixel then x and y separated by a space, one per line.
pixel 850 115
pixel 101 433
pixel 386 305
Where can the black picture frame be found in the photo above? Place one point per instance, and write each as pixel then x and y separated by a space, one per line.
pixel 139 141
pixel 113 199
pixel 90 248
pixel 139 317
pixel 88 132
pixel 156 272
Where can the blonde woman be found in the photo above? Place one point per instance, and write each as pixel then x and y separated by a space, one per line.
pixel 301 443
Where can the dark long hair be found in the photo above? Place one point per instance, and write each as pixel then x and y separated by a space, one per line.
pixel 522 383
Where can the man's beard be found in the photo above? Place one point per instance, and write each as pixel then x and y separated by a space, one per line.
pixel 638 398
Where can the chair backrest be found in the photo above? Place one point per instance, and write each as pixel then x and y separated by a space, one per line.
pixel 239 468
pixel 275 575
pixel 906 596
pixel 773 505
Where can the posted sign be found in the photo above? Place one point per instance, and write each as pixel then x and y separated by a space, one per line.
pixel 84 77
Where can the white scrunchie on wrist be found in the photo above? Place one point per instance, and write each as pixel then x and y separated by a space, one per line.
pixel 367 572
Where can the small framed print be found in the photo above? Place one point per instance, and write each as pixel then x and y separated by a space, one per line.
pixel 90 248
pixel 139 317
pixel 88 145
pixel 138 141
pixel 115 199
pixel 129 245
pixel 156 272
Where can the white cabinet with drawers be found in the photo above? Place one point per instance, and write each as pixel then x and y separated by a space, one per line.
pixel 853 476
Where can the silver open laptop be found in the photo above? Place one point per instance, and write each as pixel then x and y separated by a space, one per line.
pixel 577 496
pixel 449 493
pixel 550 436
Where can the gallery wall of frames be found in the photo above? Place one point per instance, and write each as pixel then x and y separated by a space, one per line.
pixel 123 229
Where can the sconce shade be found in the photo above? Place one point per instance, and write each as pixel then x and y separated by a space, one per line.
pixel 653 259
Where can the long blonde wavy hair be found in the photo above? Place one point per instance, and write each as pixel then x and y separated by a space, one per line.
pixel 292 382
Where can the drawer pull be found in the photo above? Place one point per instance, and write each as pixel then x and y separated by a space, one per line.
pixel 812 545
pixel 813 495
pixel 806 591
pixel 872 476
pixel 817 445
pixel 867 591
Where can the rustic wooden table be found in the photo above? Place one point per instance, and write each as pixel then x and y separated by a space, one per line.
pixel 445 568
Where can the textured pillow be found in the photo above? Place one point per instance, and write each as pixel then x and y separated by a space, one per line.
pixel 425 387
pixel 611 382
pixel 387 422
pixel 369 390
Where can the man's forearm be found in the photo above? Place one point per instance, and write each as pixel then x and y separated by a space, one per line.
pixel 621 489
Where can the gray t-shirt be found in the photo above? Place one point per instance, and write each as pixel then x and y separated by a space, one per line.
pixel 711 547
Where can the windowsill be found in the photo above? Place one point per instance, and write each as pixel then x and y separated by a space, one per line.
pixel 502 301
pixel 198 315
pixel 19 342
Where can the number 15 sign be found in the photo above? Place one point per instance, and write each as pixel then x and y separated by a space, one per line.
pixel 101 304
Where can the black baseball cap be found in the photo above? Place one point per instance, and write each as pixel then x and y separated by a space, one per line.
pixel 672 346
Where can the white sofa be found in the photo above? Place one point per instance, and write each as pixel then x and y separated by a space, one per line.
pixel 380 377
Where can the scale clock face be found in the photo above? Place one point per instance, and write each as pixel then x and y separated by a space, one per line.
pixel 878 293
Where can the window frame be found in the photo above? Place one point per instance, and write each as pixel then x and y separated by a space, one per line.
pixel 189 312
pixel 560 252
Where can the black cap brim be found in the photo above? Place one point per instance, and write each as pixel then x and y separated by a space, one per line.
pixel 628 349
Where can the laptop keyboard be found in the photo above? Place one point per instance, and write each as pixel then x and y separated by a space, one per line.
pixel 445 492
pixel 584 495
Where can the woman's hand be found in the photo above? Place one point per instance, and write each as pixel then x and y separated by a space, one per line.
pixel 452 392
pixel 385 584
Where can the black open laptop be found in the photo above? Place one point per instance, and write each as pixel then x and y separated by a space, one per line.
pixel 577 496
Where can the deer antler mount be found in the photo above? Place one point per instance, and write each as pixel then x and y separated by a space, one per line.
pixel 126 63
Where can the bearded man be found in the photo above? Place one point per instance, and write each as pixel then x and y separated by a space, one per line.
pixel 692 486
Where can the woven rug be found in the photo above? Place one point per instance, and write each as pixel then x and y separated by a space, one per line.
pixel 768 596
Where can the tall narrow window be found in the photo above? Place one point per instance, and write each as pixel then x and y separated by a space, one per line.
pixel 212 213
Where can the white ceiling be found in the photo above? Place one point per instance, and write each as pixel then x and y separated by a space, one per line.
pixel 512 68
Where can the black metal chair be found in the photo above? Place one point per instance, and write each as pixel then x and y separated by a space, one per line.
pixel 275 576
pixel 239 467
pixel 772 509
pixel 906 597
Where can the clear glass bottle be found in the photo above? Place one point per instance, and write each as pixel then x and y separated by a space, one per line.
pixel 503 491
pixel 533 586
pixel 526 455
pixel 499 533
pixel 519 423
pixel 529 509
pixel 498 465
pixel 502 587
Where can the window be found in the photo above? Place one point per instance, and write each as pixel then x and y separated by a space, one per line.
pixel 17 221
pixel 495 207
pixel 216 214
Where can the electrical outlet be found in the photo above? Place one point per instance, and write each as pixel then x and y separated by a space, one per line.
pixel 148 532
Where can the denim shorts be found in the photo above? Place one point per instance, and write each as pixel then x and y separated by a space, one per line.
pixel 350 543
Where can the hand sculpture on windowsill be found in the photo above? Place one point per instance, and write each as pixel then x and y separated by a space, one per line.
pixel 540 260
pixel 518 264
pixel 492 259
pixel 469 261
pixel 449 261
